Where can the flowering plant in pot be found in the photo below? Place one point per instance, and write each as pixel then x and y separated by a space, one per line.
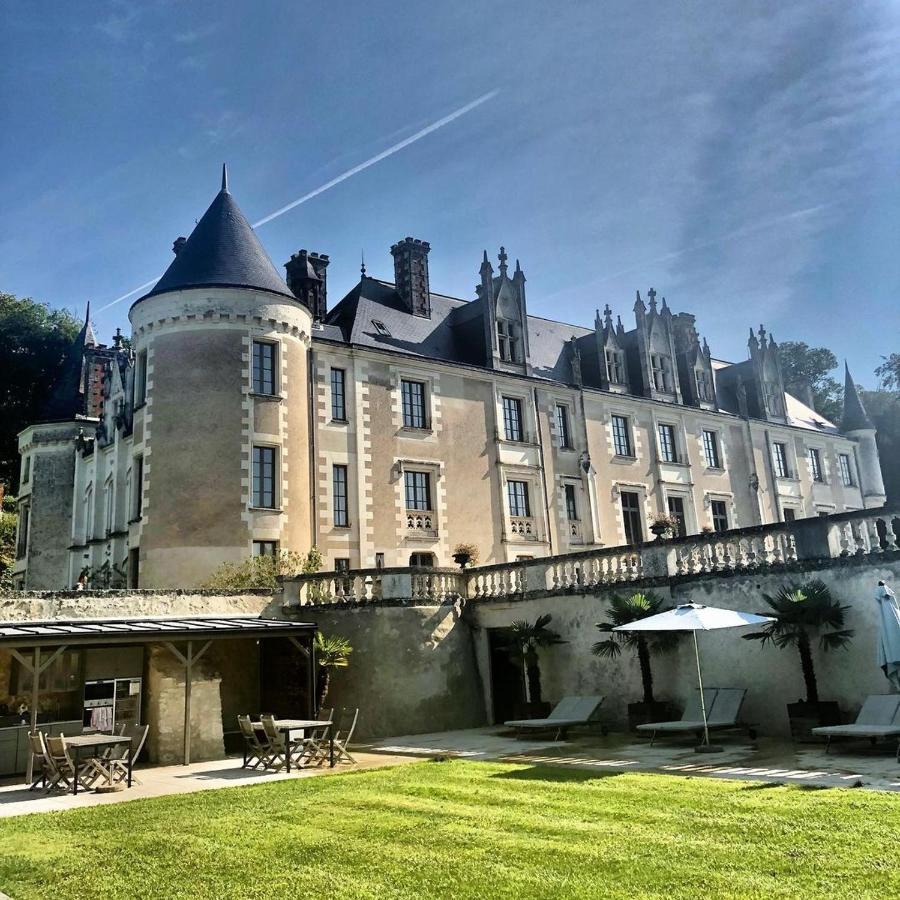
pixel 663 526
pixel 465 555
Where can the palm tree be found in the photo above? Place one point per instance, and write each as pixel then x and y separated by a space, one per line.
pixel 623 611
pixel 802 611
pixel 526 638
pixel 331 653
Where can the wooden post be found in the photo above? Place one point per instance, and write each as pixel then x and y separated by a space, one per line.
pixel 35 699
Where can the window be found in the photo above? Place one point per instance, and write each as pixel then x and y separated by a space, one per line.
pixel 134 567
pixel 22 541
pixel 631 517
pixel 667 451
pixel 711 449
pixel 381 328
pixel 519 505
pixel 507 340
pixel 661 372
pixel 621 436
pixel 88 513
pixel 779 459
pixel 26 470
pixel 413 395
pixel 109 502
pixel 138 482
pixel 140 379
pixel 418 490
pixel 421 560
pixel 815 465
pixel 265 548
pixel 263 367
pixel 339 495
pixel 789 514
pixel 846 471
pixel 615 367
pixel 676 511
pixel 342 564
pixel 704 385
pixel 512 419
pixel 719 510
pixel 379 560
pixel 338 396
pixel 571 503
pixel 264 477
pixel 562 426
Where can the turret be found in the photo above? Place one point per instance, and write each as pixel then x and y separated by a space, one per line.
pixel 856 424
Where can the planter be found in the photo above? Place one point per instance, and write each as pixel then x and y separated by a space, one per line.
pixel 532 710
pixel 660 531
pixel 805 716
pixel 644 713
pixel 462 559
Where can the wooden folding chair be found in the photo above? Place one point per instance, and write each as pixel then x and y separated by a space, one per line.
pixel 256 751
pixel 42 767
pixel 278 747
pixel 119 762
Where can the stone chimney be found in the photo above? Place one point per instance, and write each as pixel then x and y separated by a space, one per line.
pixel 411 275
pixel 178 245
pixel 306 278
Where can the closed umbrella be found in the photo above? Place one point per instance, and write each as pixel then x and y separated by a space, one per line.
pixel 888 650
pixel 694 617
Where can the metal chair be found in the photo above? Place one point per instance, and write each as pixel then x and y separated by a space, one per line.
pixel 278 747
pixel 256 751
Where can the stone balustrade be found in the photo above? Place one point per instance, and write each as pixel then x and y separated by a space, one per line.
pixel 865 533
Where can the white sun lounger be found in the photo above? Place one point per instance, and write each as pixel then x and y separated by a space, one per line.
pixel 879 717
pixel 568 713
pixel 723 707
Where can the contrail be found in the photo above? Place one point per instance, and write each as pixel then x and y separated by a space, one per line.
pixel 396 148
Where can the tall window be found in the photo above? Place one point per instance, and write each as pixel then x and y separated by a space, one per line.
pixel 413 395
pixel 140 379
pixel 22 540
pixel 519 505
pixel 418 490
pixel 512 419
pixel 676 511
pixel 631 517
pixel 339 495
pixel 815 465
pixel 338 395
pixel 263 367
pixel 711 449
pixel 26 470
pixel 661 372
pixel 789 514
pixel 264 477
pixel 615 367
pixel 780 460
pixel 562 426
pixel 704 385
pixel 89 513
pixel 621 436
pixel 719 510
pixel 846 471
pixel 507 340
pixel 265 548
pixel 571 503
pixel 137 504
pixel 667 451
pixel 109 504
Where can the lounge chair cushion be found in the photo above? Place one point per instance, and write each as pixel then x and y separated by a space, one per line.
pixel 857 730
pixel 568 712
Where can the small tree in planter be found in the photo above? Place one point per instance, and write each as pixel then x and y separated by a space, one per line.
pixel 803 611
pixel 526 638
pixel 623 611
pixel 465 555
pixel 663 526
pixel 331 653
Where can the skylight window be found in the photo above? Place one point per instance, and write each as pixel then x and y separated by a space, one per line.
pixel 381 328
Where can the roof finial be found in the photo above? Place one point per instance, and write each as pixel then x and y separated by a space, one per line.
pixel 225 178
pixel 362 264
pixel 502 257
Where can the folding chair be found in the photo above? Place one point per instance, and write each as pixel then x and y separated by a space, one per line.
pixel 64 767
pixel 343 734
pixel 278 747
pixel 42 767
pixel 308 750
pixel 256 751
pixel 119 762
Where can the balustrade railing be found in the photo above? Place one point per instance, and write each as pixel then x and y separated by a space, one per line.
pixel 848 535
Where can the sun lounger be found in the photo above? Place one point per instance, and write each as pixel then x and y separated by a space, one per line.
pixel 568 713
pixel 879 717
pixel 723 708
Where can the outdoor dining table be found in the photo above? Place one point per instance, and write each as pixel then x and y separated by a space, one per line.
pixel 81 744
pixel 286 726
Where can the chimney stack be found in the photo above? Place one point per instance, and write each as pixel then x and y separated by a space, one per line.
pixel 306 278
pixel 411 275
pixel 178 245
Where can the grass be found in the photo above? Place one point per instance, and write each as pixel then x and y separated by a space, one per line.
pixel 464 829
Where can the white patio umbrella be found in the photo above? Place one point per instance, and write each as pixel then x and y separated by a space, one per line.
pixel 693 617
pixel 888 650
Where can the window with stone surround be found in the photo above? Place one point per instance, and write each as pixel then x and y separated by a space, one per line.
pixel 711 449
pixel 264 477
pixel 512 419
pixel 338 395
pixel 412 394
pixel 417 488
pixel 780 460
pixel 815 465
pixel 846 470
pixel 519 501
pixel 264 358
pixel 339 496
pixel 621 431
pixel 668 451
pixel 563 434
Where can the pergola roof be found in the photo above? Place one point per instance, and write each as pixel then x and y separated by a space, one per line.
pixel 139 630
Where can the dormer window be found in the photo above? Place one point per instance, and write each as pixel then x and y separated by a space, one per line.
pixel 615 366
pixel 661 372
pixel 508 340
pixel 704 385
pixel 381 328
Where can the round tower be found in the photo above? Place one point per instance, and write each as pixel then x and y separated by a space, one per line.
pixel 221 398
pixel 856 424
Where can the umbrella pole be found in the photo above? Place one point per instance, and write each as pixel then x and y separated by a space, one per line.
pixel 702 698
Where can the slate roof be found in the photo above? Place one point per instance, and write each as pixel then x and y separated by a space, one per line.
pixel 222 251
pixel 66 399
pixel 855 415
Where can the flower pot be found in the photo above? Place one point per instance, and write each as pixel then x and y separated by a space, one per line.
pixel 660 531
pixel 805 716
pixel 462 559
pixel 643 713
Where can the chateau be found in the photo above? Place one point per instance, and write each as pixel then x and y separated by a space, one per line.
pixel 244 416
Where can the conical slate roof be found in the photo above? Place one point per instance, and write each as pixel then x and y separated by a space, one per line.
pixel 855 415
pixel 222 251
pixel 66 399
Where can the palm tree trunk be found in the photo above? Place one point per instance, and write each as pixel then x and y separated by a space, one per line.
pixel 324 683
pixel 643 654
pixel 809 673
pixel 533 676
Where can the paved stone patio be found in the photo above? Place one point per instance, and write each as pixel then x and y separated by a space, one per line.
pixel 853 764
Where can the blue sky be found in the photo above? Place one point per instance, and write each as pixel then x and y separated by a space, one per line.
pixel 741 158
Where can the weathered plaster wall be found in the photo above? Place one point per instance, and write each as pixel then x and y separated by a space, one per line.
pixel 413 669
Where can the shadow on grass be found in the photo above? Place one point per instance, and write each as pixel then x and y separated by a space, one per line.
pixel 555 774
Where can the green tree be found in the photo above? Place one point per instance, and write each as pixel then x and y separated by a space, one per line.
pixel 263 571
pixel 803 611
pixel 888 373
pixel 526 638
pixel 33 344
pixel 800 362
pixel 624 611
pixel 331 653
pixel 8 525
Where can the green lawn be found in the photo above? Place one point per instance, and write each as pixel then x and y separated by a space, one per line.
pixel 465 829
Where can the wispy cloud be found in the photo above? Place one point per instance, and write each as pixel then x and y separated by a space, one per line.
pixel 193 35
